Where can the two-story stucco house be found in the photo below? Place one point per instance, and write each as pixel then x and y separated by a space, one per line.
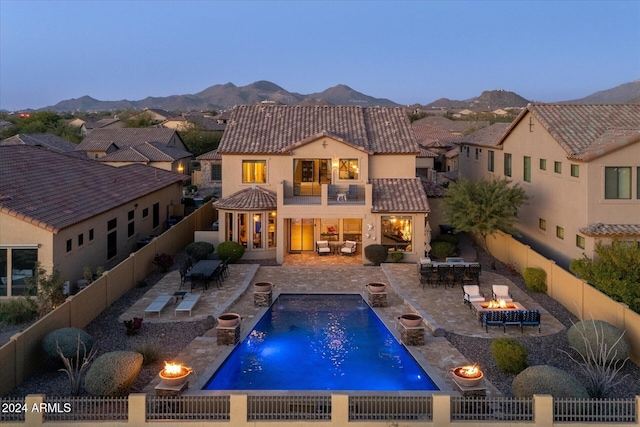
pixel 68 212
pixel 580 167
pixel 294 175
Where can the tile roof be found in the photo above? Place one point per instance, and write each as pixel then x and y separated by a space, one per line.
pixel 454 152
pixel 489 136
pixel 611 230
pixel 254 197
pixel 128 137
pixel 426 153
pixel 433 190
pixel 76 188
pixel 46 140
pixel 211 155
pixel 147 152
pixel 398 195
pixel 100 123
pixel 454 126
pixel 427 134
pixel 587 131
pixel 262 129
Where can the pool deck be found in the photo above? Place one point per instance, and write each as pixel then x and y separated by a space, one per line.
pixel 442 308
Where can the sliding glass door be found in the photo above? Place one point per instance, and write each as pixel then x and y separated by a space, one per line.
pixel 301 234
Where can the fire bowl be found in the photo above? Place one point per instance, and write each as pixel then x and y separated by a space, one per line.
pixel 376 287
pixel 466 380
pixel 411 320
pixel 228 319
pixel 262 286
pixel 172 380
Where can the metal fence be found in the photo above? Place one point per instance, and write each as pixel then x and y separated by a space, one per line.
pixel 260 408
pixel 12 409
pixel 594 410
pixel 188 407
pixel 491 408
pixel 85 408
pixel 391 408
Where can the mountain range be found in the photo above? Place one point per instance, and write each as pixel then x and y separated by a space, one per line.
pixel 225 96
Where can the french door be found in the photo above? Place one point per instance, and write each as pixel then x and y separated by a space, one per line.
pixel 301 234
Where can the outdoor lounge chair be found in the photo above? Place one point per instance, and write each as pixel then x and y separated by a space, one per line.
pixel 322 247
pixel 501 292
pixel 348 248
pixel 530 318
pixel 492 318
pixel 158 304
pixel 188 302
pixel 352 193
pixel 472 294
pixel 512 318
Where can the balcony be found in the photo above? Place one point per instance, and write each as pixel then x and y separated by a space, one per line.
pixel 323 194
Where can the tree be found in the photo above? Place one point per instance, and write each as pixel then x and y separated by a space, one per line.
pixel 483 207
pixel 42 122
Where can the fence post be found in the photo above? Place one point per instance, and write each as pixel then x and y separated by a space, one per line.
pixel 238 409
pixel 441 410
pixel 339 409
pixel 137 414
pixel 34 418
pixel 543 410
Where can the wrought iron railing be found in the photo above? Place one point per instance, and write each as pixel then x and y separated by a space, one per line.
pixel 390 408
pixel 491 408
pixel 12 409
pixel 188 407
pixel 57 408
pixel 594 410
pixel 260 408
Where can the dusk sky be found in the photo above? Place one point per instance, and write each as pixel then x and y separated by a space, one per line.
pixel 406 51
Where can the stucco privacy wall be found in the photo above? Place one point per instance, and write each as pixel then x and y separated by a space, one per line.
pixel 22 355
pixel 576 295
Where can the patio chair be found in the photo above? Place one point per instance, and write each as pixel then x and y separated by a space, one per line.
pixel 501 292
pixel 224 269
pixel 444 274
pixel 198 279
pixel 183 277
pixel 158 304
pixel 429 275
pixel 188 303
pixel 352 193
pixel 471 293
pixel 332 191
pixel 492 318
pixel 512 317
pixel 473 274
pixel 459 272
pixel 349 247
pixel 530 318
pixel 322 247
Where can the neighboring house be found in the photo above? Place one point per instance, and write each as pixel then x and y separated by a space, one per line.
pixel 456 127
pixel 70 212
pixel 580 167
pixel 210 174
pixel 5 124
pixel 108 123
pixel 161 147
pixel 298 174
pixel 45 140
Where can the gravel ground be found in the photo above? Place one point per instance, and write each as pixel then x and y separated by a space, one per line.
pixel 109 337
pixel 547 350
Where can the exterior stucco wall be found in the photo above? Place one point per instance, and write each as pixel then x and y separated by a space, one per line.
pixel 392 166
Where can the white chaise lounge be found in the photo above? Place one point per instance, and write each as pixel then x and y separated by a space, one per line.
pixel 188 302
pixel 158 305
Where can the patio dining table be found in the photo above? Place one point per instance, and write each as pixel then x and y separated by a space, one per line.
pixel 205 267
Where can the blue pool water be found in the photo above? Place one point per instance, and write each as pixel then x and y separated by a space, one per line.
pixel 320 342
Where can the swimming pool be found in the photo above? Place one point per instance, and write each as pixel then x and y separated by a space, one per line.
pixel 320 342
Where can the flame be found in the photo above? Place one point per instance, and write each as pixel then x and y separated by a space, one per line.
pixel 173 369
pixel 470 371
pixel 501 303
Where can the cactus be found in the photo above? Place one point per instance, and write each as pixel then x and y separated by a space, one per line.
pixel 113 374
pixel 545 379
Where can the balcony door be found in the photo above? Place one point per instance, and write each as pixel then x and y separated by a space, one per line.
pixel 301 235
pixel 309 174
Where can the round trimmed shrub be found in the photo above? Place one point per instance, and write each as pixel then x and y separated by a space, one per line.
pixel 454 239
pixel 535 279
pixel 230 251
pixel 377 254
pixel 441 250
pixel 510 355
pixel 595 333
pixel 545 379
pixel 67 339
pixel 199 250
pixel 113 374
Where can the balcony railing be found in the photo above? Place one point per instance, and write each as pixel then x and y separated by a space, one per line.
pixel 307 193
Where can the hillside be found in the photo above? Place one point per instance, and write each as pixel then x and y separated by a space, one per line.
pixel 628 93
pixel 487 101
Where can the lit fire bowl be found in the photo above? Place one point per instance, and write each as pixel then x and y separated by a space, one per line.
pixel 262 286
pixel 498 304
pixel 228 320
pixel 411 320
pixel 376 287
pixel 468 375
pixel 174 374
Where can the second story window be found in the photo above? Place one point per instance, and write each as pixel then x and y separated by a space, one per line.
pixel 617 183
pixel 557 167
pixel 490 164
pixel 254 171
pixel 507 164
pixel 575 170
pixel 527 169
pixel 543 164
pixel 349 169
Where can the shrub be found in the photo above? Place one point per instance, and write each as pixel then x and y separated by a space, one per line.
pixel 441 250
pixel 230 251
pixel 509 354
pixel 454 239
pixel 589 335
pixel 535 279
pixel 149 350
pixel 48 289
pixel 377 254
pixel 67 340
pixel 113 374
pixel 164 261
pixel 397 256
pixel 199 250
pixel 133 325
pixel 19 310
pixel 545 379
